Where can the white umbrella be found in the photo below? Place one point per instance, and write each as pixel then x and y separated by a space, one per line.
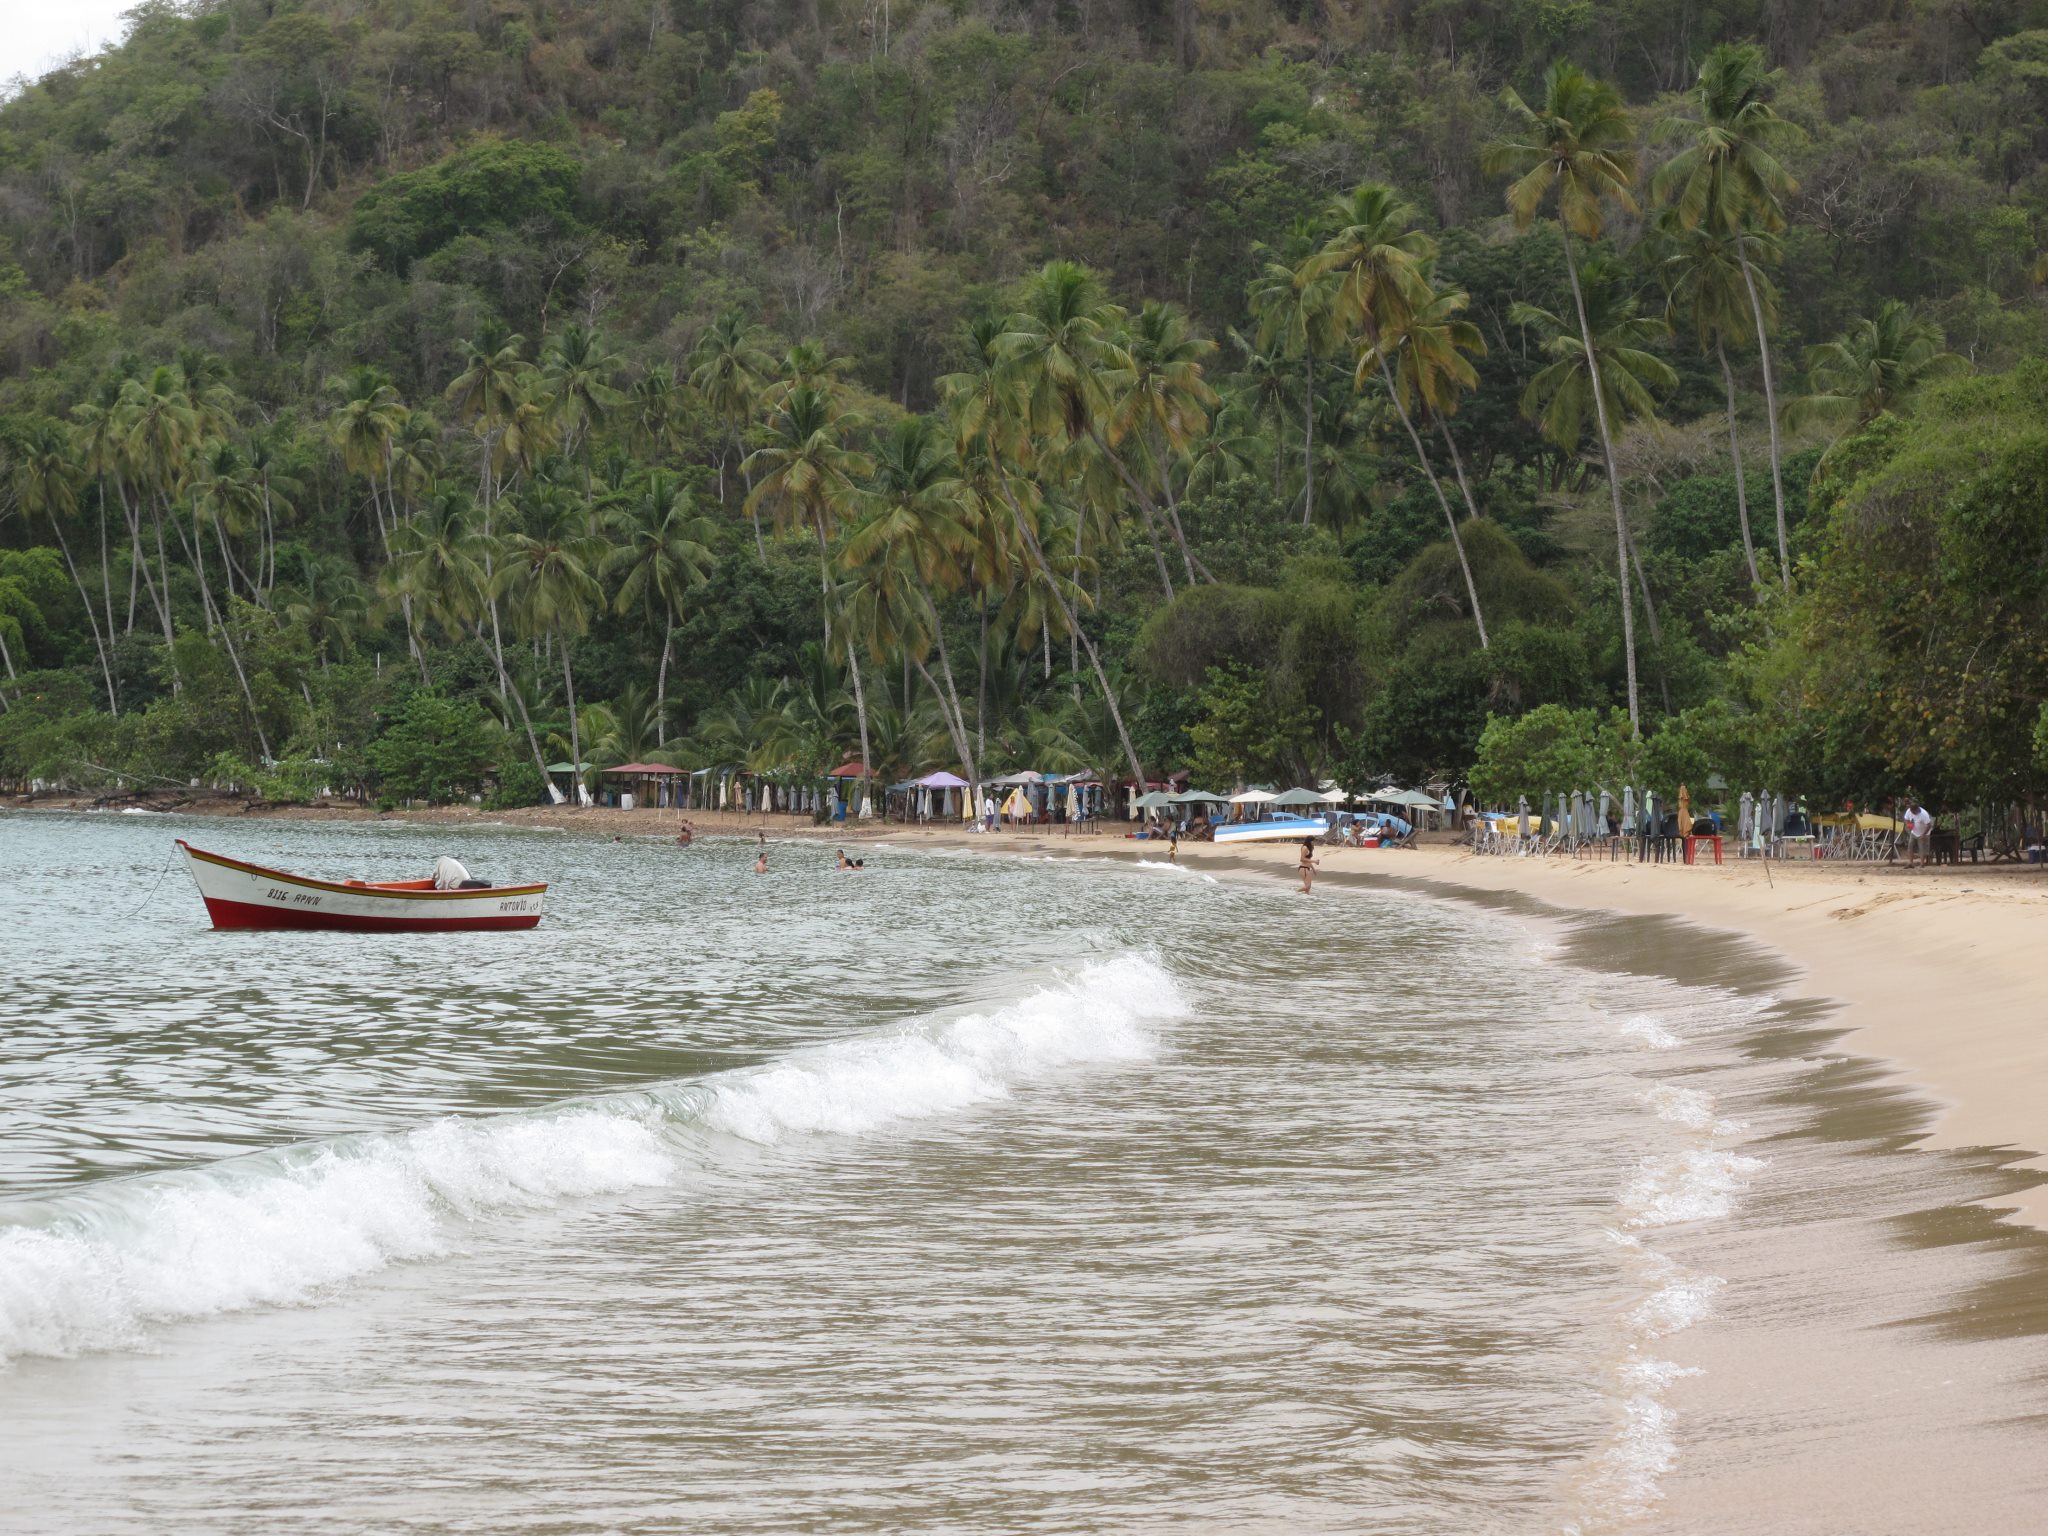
pixel 1254 797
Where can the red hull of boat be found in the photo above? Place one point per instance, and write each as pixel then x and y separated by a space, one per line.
pixel 242 914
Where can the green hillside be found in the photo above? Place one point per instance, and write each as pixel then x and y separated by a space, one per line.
pixel 403 394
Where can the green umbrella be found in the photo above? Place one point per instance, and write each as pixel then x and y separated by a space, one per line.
pixel 1299 797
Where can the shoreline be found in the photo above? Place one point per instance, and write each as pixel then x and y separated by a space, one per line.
pixel 1931 973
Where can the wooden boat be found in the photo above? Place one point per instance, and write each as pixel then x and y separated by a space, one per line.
pixel 239 895
pixel 1274 827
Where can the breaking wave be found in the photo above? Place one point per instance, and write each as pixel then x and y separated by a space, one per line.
pixel 98 1268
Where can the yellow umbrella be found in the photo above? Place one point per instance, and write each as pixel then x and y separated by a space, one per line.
pixel 1019 804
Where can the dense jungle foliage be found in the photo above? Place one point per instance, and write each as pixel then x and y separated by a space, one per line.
pixel 398 395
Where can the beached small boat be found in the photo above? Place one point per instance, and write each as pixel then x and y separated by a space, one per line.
pixel 1273 827
pixel 240 895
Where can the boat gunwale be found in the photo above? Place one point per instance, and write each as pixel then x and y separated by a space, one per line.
pixel 343 888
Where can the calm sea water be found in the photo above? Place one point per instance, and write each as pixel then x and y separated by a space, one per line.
pixel 962 1194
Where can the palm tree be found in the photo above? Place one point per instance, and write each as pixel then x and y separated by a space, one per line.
pixel 1704 283
pixel 726 369
pixel 1163 401
pixel 654 413
pixel 552 574
pixel 329 605
pixel 1728 180
pixel 578 372
pixel 1875 366
pixel 1028 396
pixel 493 397
pixel 1579 146
pixel 916 527
pixel 45 481
pixel 1427 343
pixel 160 432
pixel 807 476
pixel 1064 353
pixel 1295 303
pixel 102 454
pixel 1622 380
pixel 225 498
pixel 1263 385
pixel 663 553
pixel 487 396
pixel 364 426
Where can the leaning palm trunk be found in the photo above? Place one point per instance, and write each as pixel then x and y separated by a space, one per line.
pixel 1735 457
pixel 668 637
pixel 1145 512
pixel 1044 568
pixel 1628 607
pixel 575 729
pixel 227 631
pixel 1763 349
pixel 1450 519
pixel 1308 441
pixel 955 728
pixel 1457 465
pixel 1650 615
pixel 951 697
pixel 860 709
pixel 85 599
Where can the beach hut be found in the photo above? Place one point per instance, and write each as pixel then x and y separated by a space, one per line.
pixel 939 791
pixel 841 780
pixel 641 784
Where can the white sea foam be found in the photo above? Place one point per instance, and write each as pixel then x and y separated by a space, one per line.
pixel 1683 1299
pixel 853 1086
pixel 1699 1184
pixel 1174 869
pixel 1650 1031
pixel 1692 1109
pixel 97 1269
pixel 1625 1480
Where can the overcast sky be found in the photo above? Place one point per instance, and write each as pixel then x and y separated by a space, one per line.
pixel 35 34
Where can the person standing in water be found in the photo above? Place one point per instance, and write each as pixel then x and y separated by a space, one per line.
pixel 1308 863
pixel 761 863
pixel 1173 845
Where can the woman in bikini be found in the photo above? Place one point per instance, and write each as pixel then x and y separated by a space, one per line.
pixel 1308 863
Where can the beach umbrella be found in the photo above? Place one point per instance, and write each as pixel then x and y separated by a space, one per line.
pixel 1628 806
pixel 1606 804
pixel 1521 815
pixel 1745 816
pixel 1254 797
pixel 1298 797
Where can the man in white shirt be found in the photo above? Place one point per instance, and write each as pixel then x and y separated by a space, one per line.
pixel 1919 833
